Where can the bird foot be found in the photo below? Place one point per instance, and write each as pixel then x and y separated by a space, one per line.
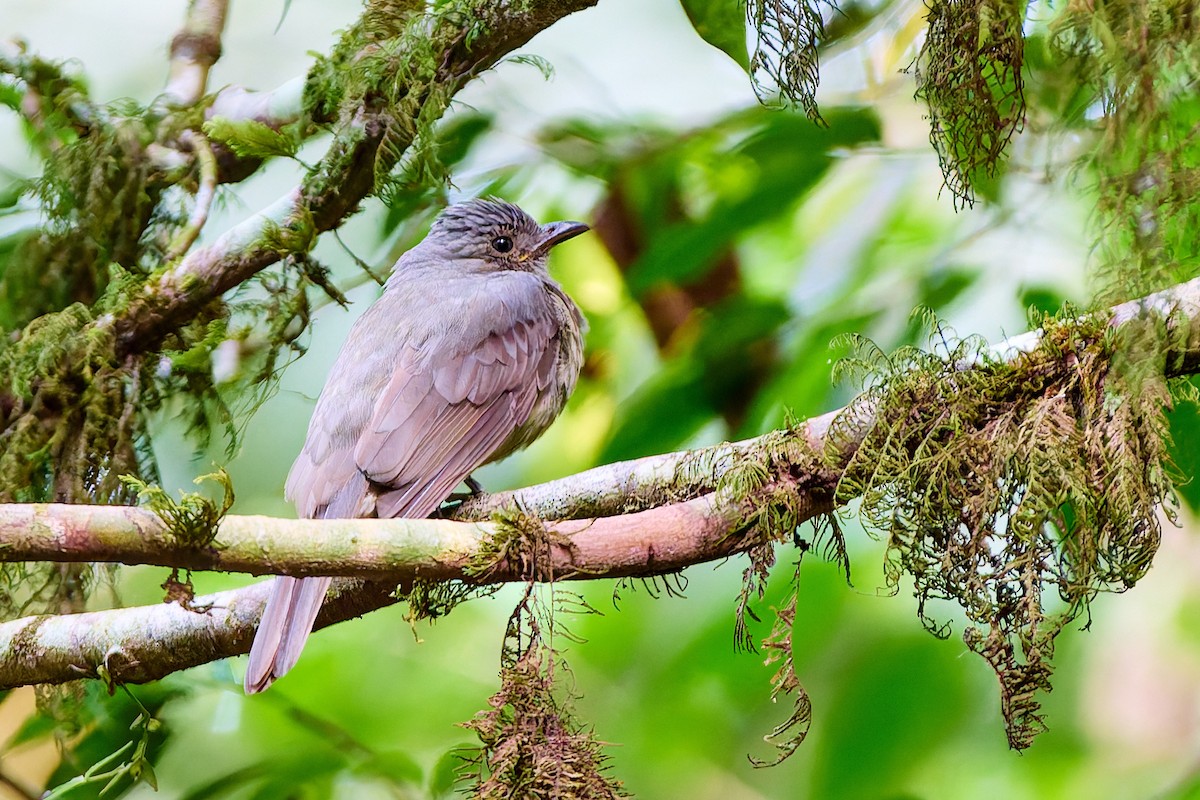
pixel 474 489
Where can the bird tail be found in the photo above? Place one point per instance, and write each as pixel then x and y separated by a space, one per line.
pixel 287 621
pixel 293 605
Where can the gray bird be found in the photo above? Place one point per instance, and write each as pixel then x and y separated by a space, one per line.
pixel 469 354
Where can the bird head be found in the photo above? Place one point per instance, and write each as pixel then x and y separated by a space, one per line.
pixel 493 235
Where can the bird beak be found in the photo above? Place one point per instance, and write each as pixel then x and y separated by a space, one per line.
pixel 556 232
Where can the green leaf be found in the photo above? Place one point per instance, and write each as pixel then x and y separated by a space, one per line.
pixel 37 726
pixel 664 411
pixel 222 786
pixel 250 138
pixel 11 193
pixel 789 156
pixel 10 96
pixel 722 24
pixel 1043 299
pixel 395 766
pixel 446 773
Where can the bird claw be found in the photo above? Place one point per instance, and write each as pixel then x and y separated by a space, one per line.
pixel 474 489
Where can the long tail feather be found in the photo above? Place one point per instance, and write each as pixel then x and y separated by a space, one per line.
pixel 291 610
pixel 292 607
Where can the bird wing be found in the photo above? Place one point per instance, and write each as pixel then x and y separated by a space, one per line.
pixel 446 412
pixel 443 412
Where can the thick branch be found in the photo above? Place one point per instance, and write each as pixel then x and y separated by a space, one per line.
pixel 659 540
pixel 629 486
pixel 137 645
pixel 141 644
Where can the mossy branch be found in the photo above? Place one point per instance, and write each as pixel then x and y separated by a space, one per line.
pixel 391 109
pixel 49 649
pixel 139 644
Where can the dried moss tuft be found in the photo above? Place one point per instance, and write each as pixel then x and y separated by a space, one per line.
pixel 532 747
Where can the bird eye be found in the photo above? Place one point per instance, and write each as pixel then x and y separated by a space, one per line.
pixel 502 244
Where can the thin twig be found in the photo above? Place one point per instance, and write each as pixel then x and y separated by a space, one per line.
pixel 207 190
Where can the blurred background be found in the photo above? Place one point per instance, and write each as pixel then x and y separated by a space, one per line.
pixel 731 244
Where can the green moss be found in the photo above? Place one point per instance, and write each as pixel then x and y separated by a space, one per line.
pixel 521 544
pixel 969 73
pixel 432 600
pixel 390 65
pixel 1015 490
pixel 193 519
pixel 1137 63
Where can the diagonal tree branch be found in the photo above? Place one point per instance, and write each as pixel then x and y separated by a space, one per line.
pixel 690 524
pixel 646 482
pixel 629 486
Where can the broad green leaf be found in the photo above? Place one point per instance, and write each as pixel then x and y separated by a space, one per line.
pixel 787 155
pixel 444 778
pixel 395 766
pixel 1042 299
pixel 721 23
pixel 223 785
pixel 36 726
pixel 664 411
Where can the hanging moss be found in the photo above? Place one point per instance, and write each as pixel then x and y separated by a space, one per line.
pixel 1015 490
pixel 1141 61
pixel 969 75
pixel 786 58
pixel 532 747
pixel 791 733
